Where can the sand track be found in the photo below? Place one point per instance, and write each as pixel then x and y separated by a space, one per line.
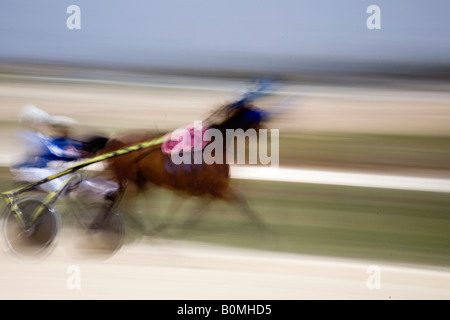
pixel 157 269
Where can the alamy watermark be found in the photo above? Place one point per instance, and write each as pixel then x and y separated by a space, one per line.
pixel 209 145
pixel 73 281
pixel 373 22
pixel 374 280
pixel 73 22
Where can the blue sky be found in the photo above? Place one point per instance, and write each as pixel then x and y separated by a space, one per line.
pixel 229 34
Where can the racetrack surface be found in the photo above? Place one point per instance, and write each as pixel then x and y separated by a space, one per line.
pixel 155 270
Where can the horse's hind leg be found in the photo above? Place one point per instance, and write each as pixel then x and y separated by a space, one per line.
pixel 112 201
pixel 198 213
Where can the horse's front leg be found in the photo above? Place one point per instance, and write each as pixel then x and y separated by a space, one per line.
pixel 241 202
pixel 168 218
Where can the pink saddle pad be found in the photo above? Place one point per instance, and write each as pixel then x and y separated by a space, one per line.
pixel 175 142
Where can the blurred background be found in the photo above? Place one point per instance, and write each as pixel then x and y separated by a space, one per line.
pixel 369 101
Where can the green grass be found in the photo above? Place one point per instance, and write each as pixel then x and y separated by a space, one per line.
pixel 364 151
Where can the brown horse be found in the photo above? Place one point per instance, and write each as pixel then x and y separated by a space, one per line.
pixel 152 166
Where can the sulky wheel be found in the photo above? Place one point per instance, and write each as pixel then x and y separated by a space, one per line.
pixel 38 237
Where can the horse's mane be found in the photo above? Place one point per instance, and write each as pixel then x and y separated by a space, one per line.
pixel 224 113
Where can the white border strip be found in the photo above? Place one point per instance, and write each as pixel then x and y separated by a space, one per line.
pixel 341 178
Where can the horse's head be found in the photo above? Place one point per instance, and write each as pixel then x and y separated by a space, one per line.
pixel 247 117
pixel 242 114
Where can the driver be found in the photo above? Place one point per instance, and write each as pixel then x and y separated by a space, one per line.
pixel 47 145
